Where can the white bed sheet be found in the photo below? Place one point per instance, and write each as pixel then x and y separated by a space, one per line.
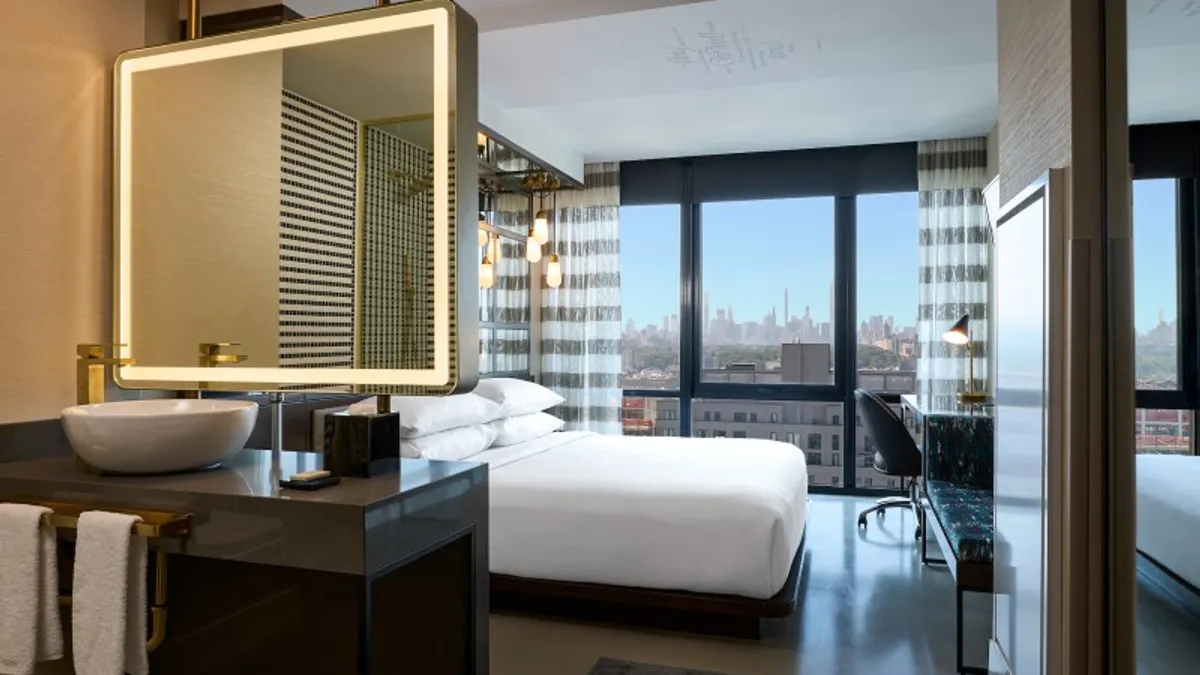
pixel 704 515
pixel 1168 512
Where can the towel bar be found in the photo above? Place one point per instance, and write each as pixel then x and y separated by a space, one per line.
pixel 158 606
pixel 154 523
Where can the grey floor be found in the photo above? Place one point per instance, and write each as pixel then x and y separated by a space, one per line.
pixel 867 606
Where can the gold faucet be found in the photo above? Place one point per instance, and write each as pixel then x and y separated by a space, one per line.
pixel 211 356
pixel 89 380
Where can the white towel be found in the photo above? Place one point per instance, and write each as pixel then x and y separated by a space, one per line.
pixel 108 611
pixel 29 626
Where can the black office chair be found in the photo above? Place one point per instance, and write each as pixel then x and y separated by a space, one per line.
pixel 896 454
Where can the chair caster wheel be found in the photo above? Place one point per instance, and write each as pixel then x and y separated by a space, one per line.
pixel 881 513
pixel 862 521
pixel 917 534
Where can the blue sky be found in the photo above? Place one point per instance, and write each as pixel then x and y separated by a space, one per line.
pixel 753 250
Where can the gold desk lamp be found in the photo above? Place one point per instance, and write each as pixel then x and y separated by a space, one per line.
pixel 960 334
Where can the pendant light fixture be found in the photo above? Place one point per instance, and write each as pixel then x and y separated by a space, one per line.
pixel 554 275
pixel 533 247
pixel 541 223
pixel 553 271
pixel 487 274
pixel 533 250
pixel 494 248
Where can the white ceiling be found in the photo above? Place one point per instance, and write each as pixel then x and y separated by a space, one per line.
pixel 748 75
pixel 1164 61
pixel 796 73
pixel 631 79
pixel 490 14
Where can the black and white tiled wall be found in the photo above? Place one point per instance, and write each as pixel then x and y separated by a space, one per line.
pixel 317 236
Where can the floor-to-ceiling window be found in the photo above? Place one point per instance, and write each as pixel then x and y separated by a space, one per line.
pixel 766 275
pixel 886 328
pixel 760 290
pixel 650 359
pixel 1166 291
pixel 1164 295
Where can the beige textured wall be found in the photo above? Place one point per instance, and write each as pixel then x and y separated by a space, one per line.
pixel 55 59
pixel 1056 109
pixel 993 154
pixel 1034 47
pixel 206 179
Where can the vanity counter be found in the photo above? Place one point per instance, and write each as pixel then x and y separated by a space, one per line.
pixel 402 556
pixel 239 512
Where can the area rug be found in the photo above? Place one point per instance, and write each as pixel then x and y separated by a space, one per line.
pixel 618 667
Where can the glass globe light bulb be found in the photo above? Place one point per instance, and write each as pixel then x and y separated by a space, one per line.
pixel 554 276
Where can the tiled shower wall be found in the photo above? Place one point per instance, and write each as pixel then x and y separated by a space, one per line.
pixel 317 236
pixel 397 252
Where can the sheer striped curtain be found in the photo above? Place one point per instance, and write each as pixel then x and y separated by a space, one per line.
pixel 581 320
pixel 509 302
pixel 955 263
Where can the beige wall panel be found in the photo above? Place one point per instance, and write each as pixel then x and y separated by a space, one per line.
pixel 56 55
pixel 1034 110
pixel 206 196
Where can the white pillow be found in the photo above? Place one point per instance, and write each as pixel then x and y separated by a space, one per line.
pixel 521 428
pixel 421 415
pixel 517 397
pixel 451 445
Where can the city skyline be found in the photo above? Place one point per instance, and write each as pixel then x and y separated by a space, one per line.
pixel 738 236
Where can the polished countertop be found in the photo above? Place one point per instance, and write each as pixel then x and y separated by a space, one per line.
pixel 927 406
pixel 239 511
pixel 252 473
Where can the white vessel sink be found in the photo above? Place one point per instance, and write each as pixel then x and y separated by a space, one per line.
pixel 159 436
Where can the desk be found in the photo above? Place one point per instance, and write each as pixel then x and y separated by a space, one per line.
pixel 957 442
pixel 958 453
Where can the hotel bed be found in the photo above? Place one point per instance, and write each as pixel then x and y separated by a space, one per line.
pixel 1168 513
pixel 718 516
pixel 697 534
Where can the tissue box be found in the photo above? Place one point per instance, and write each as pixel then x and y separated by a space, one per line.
pixel 362 446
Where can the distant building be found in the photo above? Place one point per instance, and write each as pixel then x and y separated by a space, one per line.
pixel 815 428
pixel 808 363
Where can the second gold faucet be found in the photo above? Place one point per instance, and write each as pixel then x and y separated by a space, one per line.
pixel 211 356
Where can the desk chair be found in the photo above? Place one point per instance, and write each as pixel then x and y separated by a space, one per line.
pixel 896 454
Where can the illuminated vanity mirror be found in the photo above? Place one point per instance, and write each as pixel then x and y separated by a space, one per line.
pixel 288 207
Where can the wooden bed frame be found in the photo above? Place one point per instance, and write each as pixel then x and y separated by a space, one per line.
pixel 707 613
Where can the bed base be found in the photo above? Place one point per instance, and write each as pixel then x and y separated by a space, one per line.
pixel 1181 590
pixel 680 611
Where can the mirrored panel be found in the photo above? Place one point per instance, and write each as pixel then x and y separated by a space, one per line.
pixel 287 212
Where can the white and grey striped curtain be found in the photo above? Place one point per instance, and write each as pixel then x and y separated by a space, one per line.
pixel 955 262
pixel 581 320
pixel 510 296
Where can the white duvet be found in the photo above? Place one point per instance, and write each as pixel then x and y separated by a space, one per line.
pixel 1168 512
pixel 704 515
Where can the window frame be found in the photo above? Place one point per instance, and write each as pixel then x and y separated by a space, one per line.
pixel 840 173
pixel 1172 151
